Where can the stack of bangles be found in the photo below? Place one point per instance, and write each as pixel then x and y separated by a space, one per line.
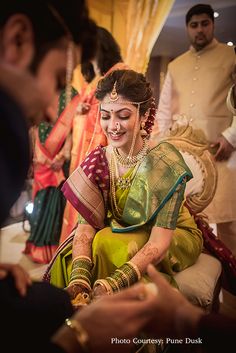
pixel 81 271
pixel 123 277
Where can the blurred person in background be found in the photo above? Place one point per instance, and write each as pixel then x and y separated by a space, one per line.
pixel 196 86
pixel 87 132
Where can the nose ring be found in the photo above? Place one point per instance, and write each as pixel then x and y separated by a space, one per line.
pixel 117 126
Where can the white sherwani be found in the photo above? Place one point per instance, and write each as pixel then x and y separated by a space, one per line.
pixel 196 85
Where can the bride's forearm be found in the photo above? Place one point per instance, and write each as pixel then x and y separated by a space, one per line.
pixel 154 250
pixel 148 254
pixel 80 276
pixel 82 242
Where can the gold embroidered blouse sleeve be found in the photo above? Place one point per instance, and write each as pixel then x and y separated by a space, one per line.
pixel 168 215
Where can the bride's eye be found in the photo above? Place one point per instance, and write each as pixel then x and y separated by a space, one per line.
pixel 124 116
pixel 105 116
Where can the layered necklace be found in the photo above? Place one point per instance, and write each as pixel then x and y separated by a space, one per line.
pixel 126 161
pixel 124 182
pixel 131 161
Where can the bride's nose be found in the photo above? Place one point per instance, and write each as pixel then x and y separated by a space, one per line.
pixel 114 125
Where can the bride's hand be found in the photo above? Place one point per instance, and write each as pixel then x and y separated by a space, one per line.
pixel 74 289
pixel 99 291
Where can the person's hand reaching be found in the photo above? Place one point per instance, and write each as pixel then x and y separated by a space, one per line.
pixel 21 277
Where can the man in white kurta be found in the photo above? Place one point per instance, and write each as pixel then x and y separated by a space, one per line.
pixel 196 86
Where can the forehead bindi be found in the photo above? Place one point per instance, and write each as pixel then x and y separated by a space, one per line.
pixel 116 108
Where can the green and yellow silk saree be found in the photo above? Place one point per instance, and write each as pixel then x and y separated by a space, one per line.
pixel 155 198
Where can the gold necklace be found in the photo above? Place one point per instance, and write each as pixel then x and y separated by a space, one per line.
pixel 130 161
pixel 113 188
pixel 123 183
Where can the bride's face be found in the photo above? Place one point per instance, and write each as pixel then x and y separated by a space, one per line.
pixel 118 122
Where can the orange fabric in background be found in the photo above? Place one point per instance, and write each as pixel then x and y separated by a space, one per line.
pixel 86 135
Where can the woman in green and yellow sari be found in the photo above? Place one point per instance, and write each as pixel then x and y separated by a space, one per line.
pixel 130 200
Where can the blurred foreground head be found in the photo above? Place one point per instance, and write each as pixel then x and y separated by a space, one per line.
pixel 40 44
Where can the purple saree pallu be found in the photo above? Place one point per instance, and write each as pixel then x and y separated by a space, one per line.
pixel 88 186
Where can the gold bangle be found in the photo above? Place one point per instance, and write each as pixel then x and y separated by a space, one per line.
pixel 79 281
pixel 125 276
pixel 80 277
pixel 82 257
pixel 113 283
pixel 104 284
pixel 135 268
pixel 80 332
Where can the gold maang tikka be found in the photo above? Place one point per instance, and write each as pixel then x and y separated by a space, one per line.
pixel 113 95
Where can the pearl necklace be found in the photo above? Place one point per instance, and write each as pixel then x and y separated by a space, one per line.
pixel 123 183
pixel 130 161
